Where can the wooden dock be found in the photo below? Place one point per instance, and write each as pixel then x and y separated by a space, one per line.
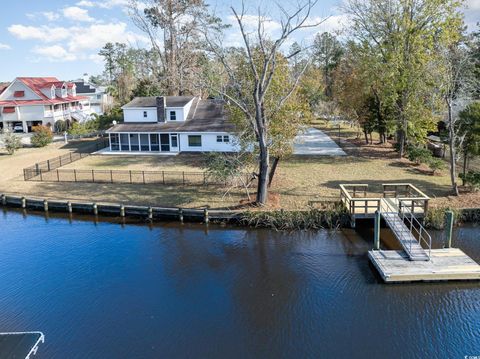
pixel 445 264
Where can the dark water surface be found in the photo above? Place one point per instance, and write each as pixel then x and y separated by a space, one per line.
pixel 170 291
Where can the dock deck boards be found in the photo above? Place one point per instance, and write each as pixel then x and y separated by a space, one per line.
pixel 445 264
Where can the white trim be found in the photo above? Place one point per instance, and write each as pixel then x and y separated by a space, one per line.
pixel 34 349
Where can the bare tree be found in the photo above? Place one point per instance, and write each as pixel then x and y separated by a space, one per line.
pixel 457 86
pixel 263 54
pixel 173 28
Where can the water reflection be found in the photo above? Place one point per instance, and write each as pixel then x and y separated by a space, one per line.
pixel 118 290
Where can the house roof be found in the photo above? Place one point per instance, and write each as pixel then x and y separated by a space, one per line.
pixel 204 116
pixel 151 101
pixel 3 86
pixel 36 84
pixel 84 87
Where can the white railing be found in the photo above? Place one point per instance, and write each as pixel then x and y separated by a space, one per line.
pixel 414 225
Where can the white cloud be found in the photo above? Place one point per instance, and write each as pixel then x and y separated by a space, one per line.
pixel 107 4
pixel 4 46
pixel 76 42
pixel 50 15
pixel 42 33
pixel 473 4
pixel 85 3
pixel 77 14
pixel 54 53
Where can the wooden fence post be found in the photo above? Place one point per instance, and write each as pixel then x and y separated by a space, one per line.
pixel 48 165
pixel 143 176
pixel 58 176
pixel 111 176
pixel 93 176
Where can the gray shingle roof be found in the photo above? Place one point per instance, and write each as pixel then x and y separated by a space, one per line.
pixel 204 116
pixel 172 101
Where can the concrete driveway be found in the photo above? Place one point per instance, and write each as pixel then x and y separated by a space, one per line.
pixel 315 142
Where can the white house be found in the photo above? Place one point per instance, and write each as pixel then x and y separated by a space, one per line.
pixel 173 124
pixel 100 101
pixel 31 101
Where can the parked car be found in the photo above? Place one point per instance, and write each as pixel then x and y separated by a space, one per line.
pixel 17 128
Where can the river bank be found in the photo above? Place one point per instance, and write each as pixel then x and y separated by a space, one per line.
pixel 333 216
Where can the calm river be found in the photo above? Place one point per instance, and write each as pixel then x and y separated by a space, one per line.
pixel 170 291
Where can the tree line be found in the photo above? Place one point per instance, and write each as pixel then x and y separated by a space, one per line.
pixel 399 68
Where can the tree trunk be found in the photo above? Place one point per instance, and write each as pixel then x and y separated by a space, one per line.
pixel 451 143
pixel 366 136
pixel 262 188
pixel 465 159
pixel 272 170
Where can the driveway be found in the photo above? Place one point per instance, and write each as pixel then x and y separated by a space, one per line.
pixel 315 142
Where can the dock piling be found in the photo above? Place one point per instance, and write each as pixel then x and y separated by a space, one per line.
pixel 45 205
pixel 449 229
pixel 4 200
pixel 24 203
pixel 180 214
pixel 95 209
pixel 376 235
pixel 205 216
pixel 69 207
pixel 150 213
pixel 122 211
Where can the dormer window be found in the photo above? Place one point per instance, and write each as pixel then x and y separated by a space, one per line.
pixel 145 114
pixel 173 116
pixel 19 94
pixel 52 92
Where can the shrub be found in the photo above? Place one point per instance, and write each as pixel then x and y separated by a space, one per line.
pixel 79 129
pixel 12 142
pixel 419 155
pixel 60 126
pixel 435 164
pixel 42 136
pixel 472 179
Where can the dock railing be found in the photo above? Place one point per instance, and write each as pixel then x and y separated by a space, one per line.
pixel 416 228
pixel 356 200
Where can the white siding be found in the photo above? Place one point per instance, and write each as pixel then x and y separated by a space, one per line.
pixel 136 115
pixel 178 111
pixel 18 86
pixel 209 143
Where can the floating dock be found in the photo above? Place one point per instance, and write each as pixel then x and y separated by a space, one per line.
pixel 444 264
pixel 403 206
pixel 20 345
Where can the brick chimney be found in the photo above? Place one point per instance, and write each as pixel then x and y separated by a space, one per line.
pixel 161 104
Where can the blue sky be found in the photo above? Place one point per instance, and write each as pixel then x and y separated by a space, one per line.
pixel 62 38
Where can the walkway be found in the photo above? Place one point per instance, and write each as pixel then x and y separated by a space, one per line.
pixel 315 142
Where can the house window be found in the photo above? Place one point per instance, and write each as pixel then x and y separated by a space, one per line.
pixel 225 139
pixel 195 141
pixel 145 114
pixel 174 140
pixel 9 110
pixel 115 142
pixel 19 94
pixel 173 116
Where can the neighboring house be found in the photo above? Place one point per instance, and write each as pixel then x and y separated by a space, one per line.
pixel 31 101
pixel 100 101
pixel 173 124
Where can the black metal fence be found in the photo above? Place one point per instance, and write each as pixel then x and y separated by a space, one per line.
pixel 57 162
pixel 123 176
